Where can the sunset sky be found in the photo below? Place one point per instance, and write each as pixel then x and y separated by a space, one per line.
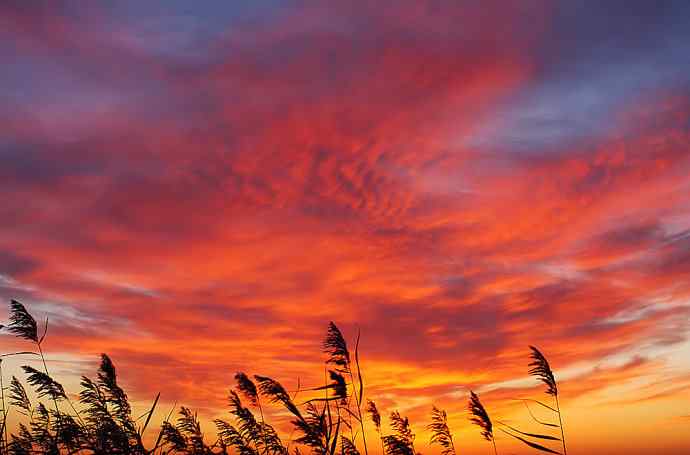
pixel 198 188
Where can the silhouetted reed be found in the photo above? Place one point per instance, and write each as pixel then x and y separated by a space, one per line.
pixel 19 398
pixel 401 442
pixel 336 347
pixel 247 387
pixel 440 433
pixel 22 324
pixel 481 418
pixel 541 369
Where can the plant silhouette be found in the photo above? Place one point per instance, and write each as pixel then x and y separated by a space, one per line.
pixel 481 418
pixel 328 420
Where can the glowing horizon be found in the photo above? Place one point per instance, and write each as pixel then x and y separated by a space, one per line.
pixel 199 190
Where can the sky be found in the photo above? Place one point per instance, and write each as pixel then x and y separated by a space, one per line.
pixel 198 188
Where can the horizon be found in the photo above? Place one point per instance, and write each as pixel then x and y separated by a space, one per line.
pixel 197 190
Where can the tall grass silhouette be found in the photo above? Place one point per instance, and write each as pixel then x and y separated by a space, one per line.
pixel 326 419
pixel 375 416
pixel 481 418
pixel 541 369
pixel 440 433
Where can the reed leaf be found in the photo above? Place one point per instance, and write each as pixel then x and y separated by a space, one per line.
pixel 534 445
pixel 540 422
pixel 334 438
pixel 531 435
pixel 149 414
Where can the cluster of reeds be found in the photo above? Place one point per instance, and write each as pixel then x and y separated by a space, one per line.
pixel 326 419
pixel 52 424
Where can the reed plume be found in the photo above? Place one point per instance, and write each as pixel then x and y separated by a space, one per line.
pixel 188 425
pixel 401 425
pixel 22 442
pixel 44 384
pixel 481 418
pixel 402 441
pixel 316 429
pixel 336 347
pixel 339 355
pixel 173 437
pixel 108 412
pixel 276 393
pixel 115 395
pixel 22 324
pixel 541 369
pixel 257 434
pixel 247 387
pixel 338 386
pixel 347 447
pixel 374 414
pixel 440 432
pixel 18 396
pixel 274 445
pixel 231 437
pixel 315 425
pixel 248 429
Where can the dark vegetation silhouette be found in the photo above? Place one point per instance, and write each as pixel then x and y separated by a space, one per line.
pixel 481 418
pixel 440 433
pixel 326 420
